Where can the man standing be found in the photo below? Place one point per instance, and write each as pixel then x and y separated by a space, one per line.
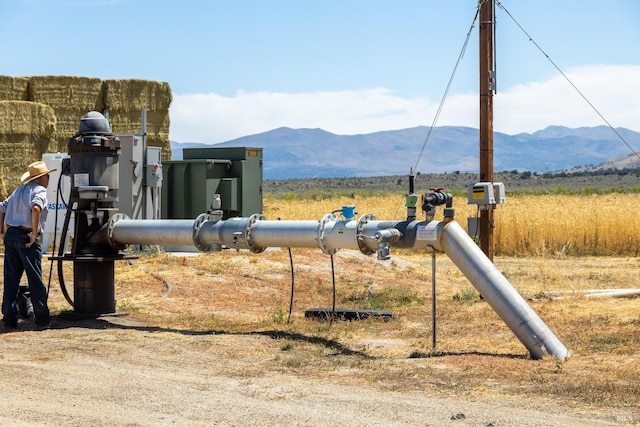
pixel 24 213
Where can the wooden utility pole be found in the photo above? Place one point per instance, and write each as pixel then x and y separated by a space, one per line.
pixel 487 89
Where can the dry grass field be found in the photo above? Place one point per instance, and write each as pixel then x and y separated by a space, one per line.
pixel 227 314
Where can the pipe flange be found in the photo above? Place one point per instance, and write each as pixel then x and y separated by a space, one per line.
pixel 110 225
pixel 247 233
pixel 321 226
pixel 362 221
pixel 197 226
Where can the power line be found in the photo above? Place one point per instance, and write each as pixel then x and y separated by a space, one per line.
pixel 446 92
pixel 568 79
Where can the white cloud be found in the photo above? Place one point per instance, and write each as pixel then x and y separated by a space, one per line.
pixel 613 90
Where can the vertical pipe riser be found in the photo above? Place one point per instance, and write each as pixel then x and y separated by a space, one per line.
pixel 93 289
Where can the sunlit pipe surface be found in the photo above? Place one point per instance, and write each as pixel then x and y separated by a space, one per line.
pixel 500 295
pixel 164 232
pixel 449 237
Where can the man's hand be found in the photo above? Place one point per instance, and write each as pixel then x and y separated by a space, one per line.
pixel 32 239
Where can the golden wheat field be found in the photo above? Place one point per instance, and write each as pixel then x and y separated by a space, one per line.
pixel 525 225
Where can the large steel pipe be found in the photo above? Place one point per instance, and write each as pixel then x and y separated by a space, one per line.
pixel 165 232
pixel 262 234
pixel 500 295
pixel 330 235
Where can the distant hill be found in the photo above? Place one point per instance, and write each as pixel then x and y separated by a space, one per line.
pixel 315 153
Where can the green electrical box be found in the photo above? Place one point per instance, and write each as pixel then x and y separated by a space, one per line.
pixel 235 173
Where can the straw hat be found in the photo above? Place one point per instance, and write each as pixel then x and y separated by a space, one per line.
pixel 36 170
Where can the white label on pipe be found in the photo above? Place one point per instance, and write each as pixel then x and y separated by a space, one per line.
pixel 427 232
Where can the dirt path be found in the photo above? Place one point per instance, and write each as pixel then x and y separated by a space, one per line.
pixel 114 371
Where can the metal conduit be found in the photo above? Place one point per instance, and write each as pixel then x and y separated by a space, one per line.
pixel 499 293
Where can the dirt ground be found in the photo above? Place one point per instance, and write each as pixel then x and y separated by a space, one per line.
pixel 111 371
pixel 148 365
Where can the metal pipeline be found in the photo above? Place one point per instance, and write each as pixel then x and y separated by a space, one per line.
pixel 500 295
pixel 165 232
pixel 328 234
pixel 233 233
pixel 365 234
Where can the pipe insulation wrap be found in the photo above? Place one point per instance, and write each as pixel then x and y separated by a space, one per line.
pixel 500 295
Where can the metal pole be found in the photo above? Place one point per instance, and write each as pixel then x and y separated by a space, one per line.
pixel 433 301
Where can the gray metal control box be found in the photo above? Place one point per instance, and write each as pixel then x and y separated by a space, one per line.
pixel 140 178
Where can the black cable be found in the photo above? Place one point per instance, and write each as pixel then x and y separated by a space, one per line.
pixel 63 238
pixel 293 280
pixel 570 82
pixel 476 235
pixel 55 233
pixel 372 282
pixel 444 97
pixel 446 92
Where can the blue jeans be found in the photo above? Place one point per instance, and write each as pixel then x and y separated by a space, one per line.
pixel 19 259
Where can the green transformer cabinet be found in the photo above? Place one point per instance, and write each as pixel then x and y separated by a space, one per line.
pixel 235 173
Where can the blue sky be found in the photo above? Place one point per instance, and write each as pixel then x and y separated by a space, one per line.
pixel 347 66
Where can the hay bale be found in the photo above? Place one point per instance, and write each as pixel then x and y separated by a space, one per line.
pixel 13 88
pixel 27 118
pixel 71 98
pixel 126 121
pixel 68 120
pixel 81 93
pixel 136 94
pixel 17 152
pixel 25 132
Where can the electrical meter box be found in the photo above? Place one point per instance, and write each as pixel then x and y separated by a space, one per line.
pixel 486 194
pixel 481 193
pixel 189 185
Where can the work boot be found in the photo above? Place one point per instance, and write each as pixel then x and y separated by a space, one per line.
pixel 25 307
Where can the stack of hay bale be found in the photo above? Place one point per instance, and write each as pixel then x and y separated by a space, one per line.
pixel 126 98
pixel 71 98
pixel 25 130
pixel 39 114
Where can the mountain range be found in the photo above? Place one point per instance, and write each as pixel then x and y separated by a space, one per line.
pixel 315 153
